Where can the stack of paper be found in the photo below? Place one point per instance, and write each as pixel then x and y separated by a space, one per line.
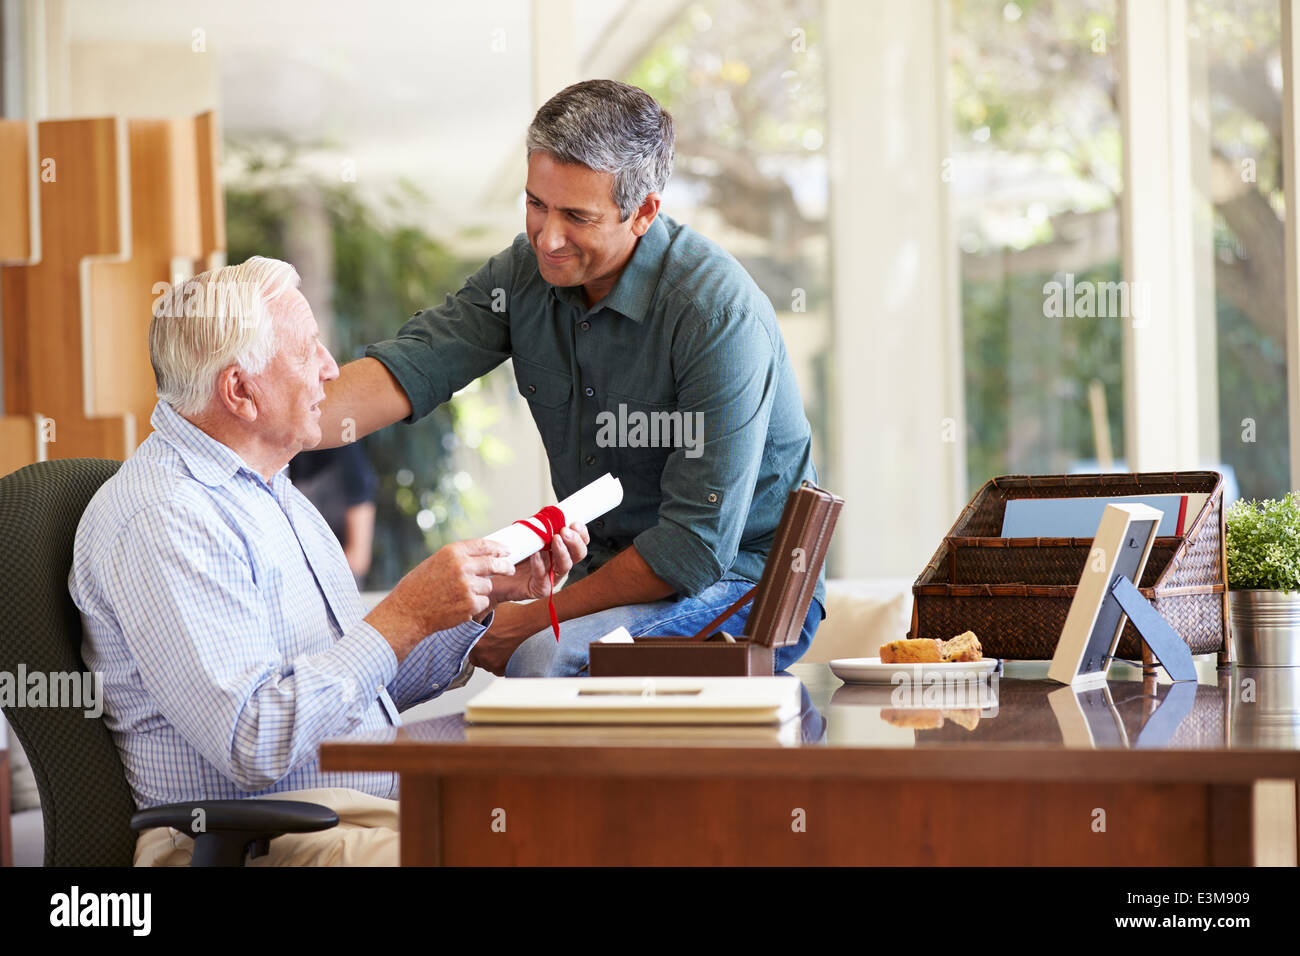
pixel 636 700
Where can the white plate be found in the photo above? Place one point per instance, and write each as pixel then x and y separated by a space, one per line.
pixel 869 670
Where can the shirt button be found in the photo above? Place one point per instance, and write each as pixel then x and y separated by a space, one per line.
pixel 591 459
pixel 598 523
pixel 712 497
pixel 436 686
pixel 532 389
pixel 589 391
pixel 585 326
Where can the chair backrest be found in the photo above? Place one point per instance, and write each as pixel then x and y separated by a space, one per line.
pixel 85 800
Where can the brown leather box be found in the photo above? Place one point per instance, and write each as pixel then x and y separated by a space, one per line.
pixel 781 602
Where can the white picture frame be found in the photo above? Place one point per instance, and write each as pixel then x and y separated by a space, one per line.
pixel 1095 621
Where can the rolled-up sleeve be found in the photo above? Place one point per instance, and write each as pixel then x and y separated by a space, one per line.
pixel 441 350
pixel 190 612
pixel 726 378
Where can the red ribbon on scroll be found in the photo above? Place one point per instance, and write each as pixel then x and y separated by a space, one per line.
pixel 551 520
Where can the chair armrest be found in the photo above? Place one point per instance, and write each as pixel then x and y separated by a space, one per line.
pixel 282 816
pixel 225 830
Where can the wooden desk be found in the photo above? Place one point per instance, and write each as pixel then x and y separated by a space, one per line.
pixel 854 787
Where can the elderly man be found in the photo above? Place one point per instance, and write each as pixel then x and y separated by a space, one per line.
pixel 616 318
pixel 220 608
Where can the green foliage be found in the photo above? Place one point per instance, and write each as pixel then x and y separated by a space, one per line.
pixel 740 75
pixel 385 268
pixel 1264 544
pixel 1027 376
pixel 1252 389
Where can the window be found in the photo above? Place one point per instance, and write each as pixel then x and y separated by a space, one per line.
pixel 1036 181
pixel 744 82
pixel 1235 84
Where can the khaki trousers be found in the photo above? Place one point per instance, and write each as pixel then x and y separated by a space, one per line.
pixel 367 835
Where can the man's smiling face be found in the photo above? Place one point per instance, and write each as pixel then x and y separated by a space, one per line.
pixel 574 226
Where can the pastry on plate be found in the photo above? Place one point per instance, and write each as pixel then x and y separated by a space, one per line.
pixel 923 651
pixel 964 647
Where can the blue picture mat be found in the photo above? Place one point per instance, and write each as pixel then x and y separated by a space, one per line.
pixel 1079 517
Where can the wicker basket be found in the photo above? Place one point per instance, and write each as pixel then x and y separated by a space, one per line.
pixel 1015 593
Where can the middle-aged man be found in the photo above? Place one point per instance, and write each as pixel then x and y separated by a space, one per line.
pixel 611 312
pixel 219 606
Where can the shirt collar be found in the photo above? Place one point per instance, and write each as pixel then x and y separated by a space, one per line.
pixel 635 288
pixel 208 460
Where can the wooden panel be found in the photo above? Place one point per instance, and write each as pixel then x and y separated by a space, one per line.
pixel 165 217
pixel 421 821
pixel 19 436
pixel 578 821
pixel 45 352
pixel 15 207
pixel 212 203
pixel 1231 836
pixel 20 442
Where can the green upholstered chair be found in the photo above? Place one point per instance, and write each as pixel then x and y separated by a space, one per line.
pixel 89 813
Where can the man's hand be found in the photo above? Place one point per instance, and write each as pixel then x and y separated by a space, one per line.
pixel 445 589
pixel 514 623
pixel 626 579
pixel 511 626
pixel 531 578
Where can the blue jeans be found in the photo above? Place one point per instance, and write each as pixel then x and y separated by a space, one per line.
pixel 541 656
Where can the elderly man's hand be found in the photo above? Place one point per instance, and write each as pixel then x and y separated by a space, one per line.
pixel 531 577
pixel 447 588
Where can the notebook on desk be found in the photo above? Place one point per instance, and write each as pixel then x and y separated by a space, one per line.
pixel 787 734
pixel 636 700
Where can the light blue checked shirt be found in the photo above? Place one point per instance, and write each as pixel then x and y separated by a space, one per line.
pixel 221 612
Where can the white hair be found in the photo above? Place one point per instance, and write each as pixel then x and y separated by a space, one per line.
pixel 217 319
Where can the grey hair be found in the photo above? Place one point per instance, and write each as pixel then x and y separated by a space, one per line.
pixel 216 319
pixel 609 127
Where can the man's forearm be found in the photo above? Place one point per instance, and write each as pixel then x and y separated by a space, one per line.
pixel 364 398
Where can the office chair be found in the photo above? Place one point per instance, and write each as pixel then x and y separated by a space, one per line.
pixel 89 812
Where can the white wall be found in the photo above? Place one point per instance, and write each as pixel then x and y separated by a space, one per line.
pixel 898 409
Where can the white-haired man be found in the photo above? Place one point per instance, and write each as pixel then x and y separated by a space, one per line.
pixel 219 606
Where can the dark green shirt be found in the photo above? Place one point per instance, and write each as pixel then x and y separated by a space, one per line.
pixel 684 338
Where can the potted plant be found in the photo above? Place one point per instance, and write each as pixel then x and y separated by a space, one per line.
pixel 1263 545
